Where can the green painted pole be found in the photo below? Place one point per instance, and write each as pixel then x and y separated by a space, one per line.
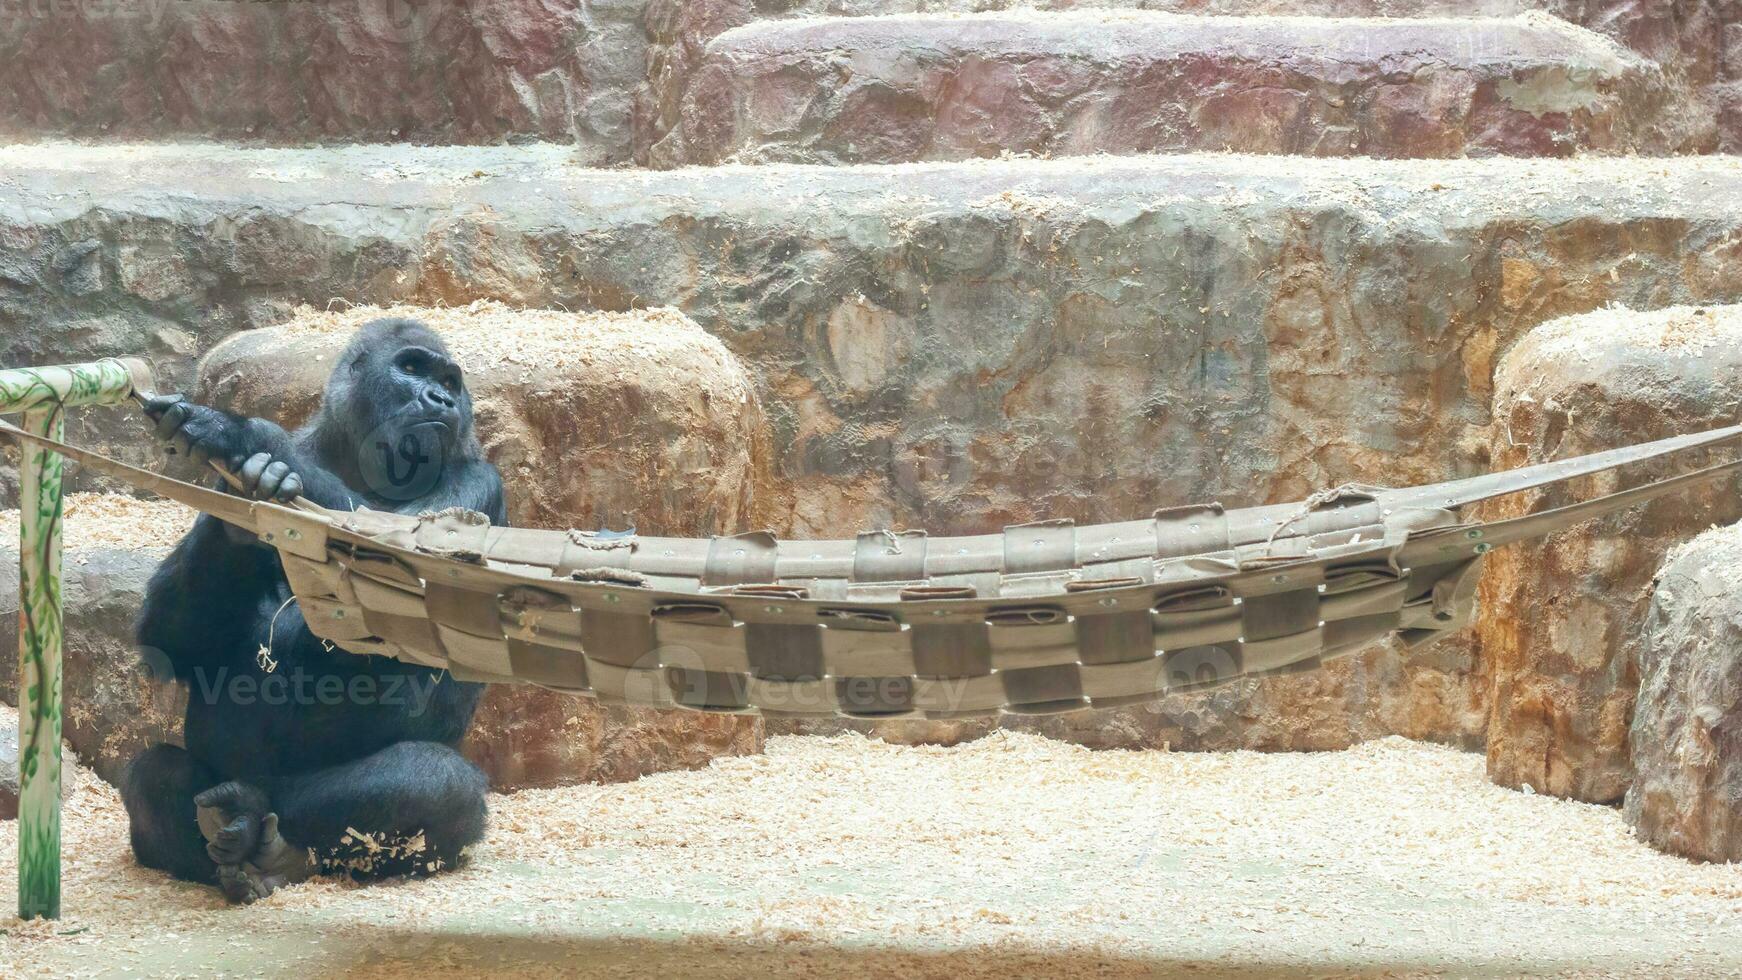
pixel 39 649
pixel 42 395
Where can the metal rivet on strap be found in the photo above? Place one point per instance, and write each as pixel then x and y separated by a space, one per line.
pixel 293 534
pixel 1474 533
pixel 1484 548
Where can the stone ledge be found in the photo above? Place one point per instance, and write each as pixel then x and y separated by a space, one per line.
pixel 1686 39
pixel 951 86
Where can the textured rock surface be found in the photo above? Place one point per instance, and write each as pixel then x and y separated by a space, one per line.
pixel 1685 38
pixel 894 89
pixel 955 346
pixel 602 420
pixel 1561 618
pixel 1686 796
pixel 324 71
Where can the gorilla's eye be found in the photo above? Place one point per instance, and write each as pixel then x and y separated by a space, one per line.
pixel 410 366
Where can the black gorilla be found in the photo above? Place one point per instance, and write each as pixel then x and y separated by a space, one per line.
pixel 299 758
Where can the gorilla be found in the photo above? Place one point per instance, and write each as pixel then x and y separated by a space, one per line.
pixel 303 759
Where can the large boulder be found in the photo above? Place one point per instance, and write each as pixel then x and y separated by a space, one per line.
pixel 1686 796
pixel 595 420
pixel 1561 617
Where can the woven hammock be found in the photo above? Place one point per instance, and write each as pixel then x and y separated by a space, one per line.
pixel 1042 618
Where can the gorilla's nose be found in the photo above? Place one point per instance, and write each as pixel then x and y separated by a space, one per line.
pixel 439 399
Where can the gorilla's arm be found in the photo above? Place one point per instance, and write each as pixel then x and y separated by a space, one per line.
pixel 270 463
pixel 274 465
pixel 201 602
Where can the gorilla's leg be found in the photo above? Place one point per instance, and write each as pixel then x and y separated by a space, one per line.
pixel 158 789
pixel 411 808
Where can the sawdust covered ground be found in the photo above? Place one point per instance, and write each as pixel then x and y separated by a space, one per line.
pixel 1011 856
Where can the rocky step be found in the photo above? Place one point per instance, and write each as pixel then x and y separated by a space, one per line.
pixel 1686 757
pixel 1686 39
pixel 324 71
pixel 952 87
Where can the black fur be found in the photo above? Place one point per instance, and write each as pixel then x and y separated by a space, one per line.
pixel 336 744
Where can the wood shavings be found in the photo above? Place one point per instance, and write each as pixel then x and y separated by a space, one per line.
pixel 1009 856
pixel 1676 331
pixel 486 335
pixel 111 520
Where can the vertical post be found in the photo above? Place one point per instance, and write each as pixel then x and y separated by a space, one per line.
pixel 42 396
pixel 39 678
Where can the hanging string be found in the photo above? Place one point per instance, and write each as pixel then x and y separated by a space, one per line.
pixel 264 656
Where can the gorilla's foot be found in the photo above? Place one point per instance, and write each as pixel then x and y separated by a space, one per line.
pixel 230 816
pixel 273 864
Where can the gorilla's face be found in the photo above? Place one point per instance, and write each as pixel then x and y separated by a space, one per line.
pixel 409 412
pixel 423 392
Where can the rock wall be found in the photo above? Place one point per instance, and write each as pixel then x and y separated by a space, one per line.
pixel 1686 735
pixel 1561 618
pixel 315 71
pixel 957 347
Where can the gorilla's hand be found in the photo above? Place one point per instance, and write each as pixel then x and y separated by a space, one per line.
pixel 231 816
pixel 274 864
pixel 195 431
pixel 204 434
pixel 266 478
